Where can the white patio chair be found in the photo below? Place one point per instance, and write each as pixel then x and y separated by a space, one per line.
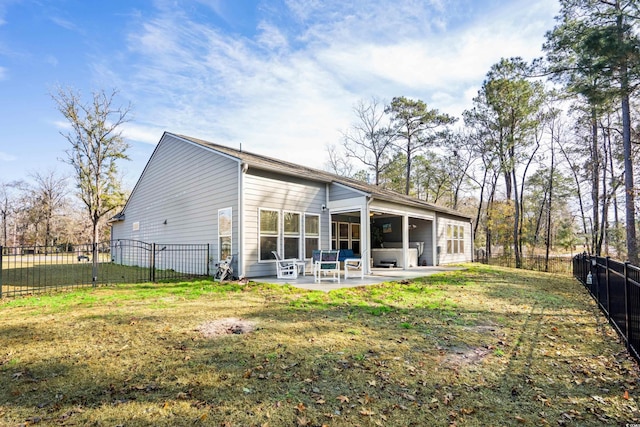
pixel 327 266
pixel 285 268
pixel 355 264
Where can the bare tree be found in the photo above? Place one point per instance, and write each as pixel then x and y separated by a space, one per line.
pixel 370 139
pixel 337 162
pixel 49 197
pixel 96 145
pixel 9 195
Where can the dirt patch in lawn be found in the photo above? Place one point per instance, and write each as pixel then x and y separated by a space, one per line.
pixel 460 356
pixel 227 326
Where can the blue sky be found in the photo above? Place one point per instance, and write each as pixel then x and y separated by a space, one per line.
pixel 280 77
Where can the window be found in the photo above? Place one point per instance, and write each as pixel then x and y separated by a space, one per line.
pixel 355 238
pixel 455 239
pixel 291 235
pixel 343 235
pixel 224 233
pixel 269 232
pixel 334 235
pixel 311 234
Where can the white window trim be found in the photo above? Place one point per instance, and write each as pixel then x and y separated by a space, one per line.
pixel 230 209
pixel 304 232
pixel 459 230
pixel 278 235
pixel 300 234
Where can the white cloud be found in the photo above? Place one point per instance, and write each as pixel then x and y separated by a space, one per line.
pixel 51 60
pixel 290 91
pixel 271 37
pixel 142 133
pixel 6 157
pixel 62 125
pixel 64 23
pixel 4 5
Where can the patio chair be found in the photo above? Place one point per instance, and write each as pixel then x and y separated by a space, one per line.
pixel 285 268
pixel 354 264
pixel 327 265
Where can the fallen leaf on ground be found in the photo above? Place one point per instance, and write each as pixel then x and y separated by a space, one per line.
pixel 303 421
pixel 366 412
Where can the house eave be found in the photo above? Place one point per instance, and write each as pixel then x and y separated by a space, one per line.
pixel 116 218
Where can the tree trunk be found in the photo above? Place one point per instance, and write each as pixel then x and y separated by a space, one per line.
pixel 602 237
pixel 516 222
pixel 94 249
pixel 625 90
pixel 576 179
pixel 595 184
pixel 489 214
pixel 408 172
pixel 616 217
pixel 4 228
pixel 632 249
pixel 479 211
pixel 548 242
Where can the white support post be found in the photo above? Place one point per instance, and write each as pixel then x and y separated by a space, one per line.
pixel 405 242
pixel 365 230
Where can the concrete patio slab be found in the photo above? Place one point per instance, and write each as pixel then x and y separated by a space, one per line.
pixel 378 275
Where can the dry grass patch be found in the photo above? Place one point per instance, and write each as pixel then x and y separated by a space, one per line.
pixel 485 346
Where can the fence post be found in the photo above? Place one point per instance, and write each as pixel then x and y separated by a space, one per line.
pixel 94 266
pixel 207 260
pixel 1 252
pixel 606 279
pixel 627 305
pixel 152 263
pixel 593 268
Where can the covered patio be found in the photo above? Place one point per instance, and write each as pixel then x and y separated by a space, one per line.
pixel 386 237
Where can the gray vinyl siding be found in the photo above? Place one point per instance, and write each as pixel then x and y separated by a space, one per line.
pixel 185 186
pixel 282 193
pixel 444 257
pixel 339 192
pixel 423 233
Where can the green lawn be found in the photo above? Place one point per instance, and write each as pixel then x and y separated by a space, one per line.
pixel 485 346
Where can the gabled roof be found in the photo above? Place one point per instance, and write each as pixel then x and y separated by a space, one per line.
pixel 280 166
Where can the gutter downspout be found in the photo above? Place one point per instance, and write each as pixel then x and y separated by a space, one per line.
pixel 473 250
pixel 436 257
pixel 326 204
pixel 365 219
pixel 241 217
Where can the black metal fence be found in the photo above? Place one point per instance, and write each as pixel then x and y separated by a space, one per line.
pixel 616 288
pixel 35 269
pixel 558 265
